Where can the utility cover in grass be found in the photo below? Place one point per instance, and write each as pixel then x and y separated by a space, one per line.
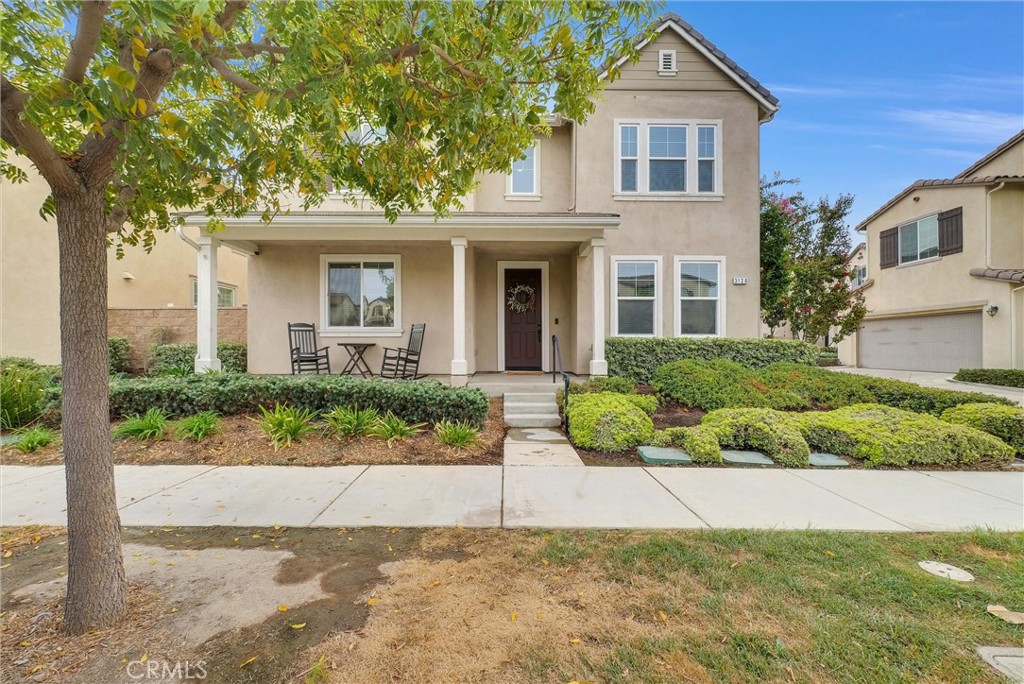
pixel 745 458
pixel 820 460
pixel 664 455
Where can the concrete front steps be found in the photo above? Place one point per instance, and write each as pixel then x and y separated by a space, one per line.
pixel 533 409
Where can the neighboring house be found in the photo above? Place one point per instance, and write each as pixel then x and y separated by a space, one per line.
pixel 946 264
pixel 152 297
pixel 642 222
pixel 857 263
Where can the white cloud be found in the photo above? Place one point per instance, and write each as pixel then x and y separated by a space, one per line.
pixel 962 125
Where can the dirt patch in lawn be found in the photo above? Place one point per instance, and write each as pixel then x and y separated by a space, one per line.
pixel 241 604
pixel 242 442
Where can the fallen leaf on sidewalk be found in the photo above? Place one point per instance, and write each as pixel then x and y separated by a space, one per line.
pixel 1007 615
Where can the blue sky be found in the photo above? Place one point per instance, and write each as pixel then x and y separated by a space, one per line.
pixel 875 95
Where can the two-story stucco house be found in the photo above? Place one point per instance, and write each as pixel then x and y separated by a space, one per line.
pixel 945 273
pixel 643 221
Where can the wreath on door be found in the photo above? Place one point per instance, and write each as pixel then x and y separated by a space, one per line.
pixel 521 298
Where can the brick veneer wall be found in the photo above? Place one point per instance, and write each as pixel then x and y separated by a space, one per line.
pixel 144 327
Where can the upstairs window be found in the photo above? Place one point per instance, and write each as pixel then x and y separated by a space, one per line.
pixel 667 159
pixel 919 240
pixel 522 180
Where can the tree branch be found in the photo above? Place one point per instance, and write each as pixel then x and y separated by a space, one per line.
pixel 231 76
pixel 230 13
pixel 252 49
pixel 120 212
pixel 27 139
pixel 450 61
pixel 91 15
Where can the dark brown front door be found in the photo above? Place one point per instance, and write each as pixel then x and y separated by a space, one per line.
pixel 523 319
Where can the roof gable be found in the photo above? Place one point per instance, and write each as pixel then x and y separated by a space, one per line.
pixel 670 21
pixel 975 168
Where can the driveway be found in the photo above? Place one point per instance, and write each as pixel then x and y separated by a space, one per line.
pixel 939 380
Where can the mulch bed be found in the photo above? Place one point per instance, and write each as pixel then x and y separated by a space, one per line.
pixel 242 442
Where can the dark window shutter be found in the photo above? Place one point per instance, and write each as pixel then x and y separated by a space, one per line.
pixel 889 247
pixel 951 231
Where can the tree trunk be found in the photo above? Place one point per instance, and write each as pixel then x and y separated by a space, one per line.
pixel 96 581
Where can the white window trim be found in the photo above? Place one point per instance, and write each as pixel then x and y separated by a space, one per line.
pixel 613 292
pixel 535 194
pixel 643 161
pixel 676 298
pixel 227 286
pixel 899 241
pixel 671 71
pixel 327 330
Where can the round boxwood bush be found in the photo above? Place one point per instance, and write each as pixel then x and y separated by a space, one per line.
pixel 699 442
pixel 1004 422
pixel 609 421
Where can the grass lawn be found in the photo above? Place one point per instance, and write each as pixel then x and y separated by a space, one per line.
pixel 380 605
pixel 688 607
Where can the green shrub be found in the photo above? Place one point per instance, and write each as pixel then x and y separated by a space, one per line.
pixel 1004 422
pixel 698 441
pixel 350 421
pixel 150 425
pixel 233 393
pixel 719 383
pixel 609 422
pixel 829 356
pixel 34 439
pixel 911 397
pixel 198 427
pixel 118 350
pixel 1005 377
pixel 639 358
pixel 765 430
pixel 394 429
pixel 598 384
pixel 286 424
pixel 820 388
pixel 22 394
pixel 457 435
pixel 168 359
pixel 882 435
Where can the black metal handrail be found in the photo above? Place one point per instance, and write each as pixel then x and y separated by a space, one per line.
pixel 556 359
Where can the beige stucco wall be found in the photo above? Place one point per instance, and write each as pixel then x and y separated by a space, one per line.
pixel 944 284
pixel 554 163
pixel 163 277
pixel 1010 162
pixel 29 275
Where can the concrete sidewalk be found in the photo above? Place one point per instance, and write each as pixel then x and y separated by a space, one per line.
pixel 533 496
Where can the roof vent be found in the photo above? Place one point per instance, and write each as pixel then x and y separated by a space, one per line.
pixel 666 62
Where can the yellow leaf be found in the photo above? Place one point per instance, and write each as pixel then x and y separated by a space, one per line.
pixel 830 554
pixel 260 99
pixel 574 641
pixel 26 643
pixel 139 49
pixel 661 614
pixel 371 601
pixel 174 609
pixel 282 607
pixel 35 669
pixel 250 660
pixel 276 527
pixel 5 565
pixel 298 626
pixel 144 658
pixel 255 536
pixel 512 617
pixel 8 553
pixel 540 616
pixel 555 577
pixel 435 583
pixel 236 539
pixel 267 173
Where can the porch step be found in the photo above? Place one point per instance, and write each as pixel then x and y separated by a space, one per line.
pixel 531 409
pixel 530 420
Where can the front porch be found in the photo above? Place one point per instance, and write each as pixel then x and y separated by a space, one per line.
pixel 361 279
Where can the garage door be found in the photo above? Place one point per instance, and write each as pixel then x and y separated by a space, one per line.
pixel 945 343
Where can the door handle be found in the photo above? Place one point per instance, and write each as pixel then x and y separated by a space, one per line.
pixel 538 334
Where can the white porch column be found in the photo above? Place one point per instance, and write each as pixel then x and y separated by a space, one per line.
pixel 206 305
pixel 459 365
pixel 598 366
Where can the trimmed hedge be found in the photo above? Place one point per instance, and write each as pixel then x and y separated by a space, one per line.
pixel 167 358
pixel 699 442
pixel 639 358
pixel 610 422
pixel 1004 377
pixel 717 384
pixel 1004 422
pixel 231 393
pixel 597 384
pixel 765 430
pixel 118 349
pixel 882 435
pixel 829 356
